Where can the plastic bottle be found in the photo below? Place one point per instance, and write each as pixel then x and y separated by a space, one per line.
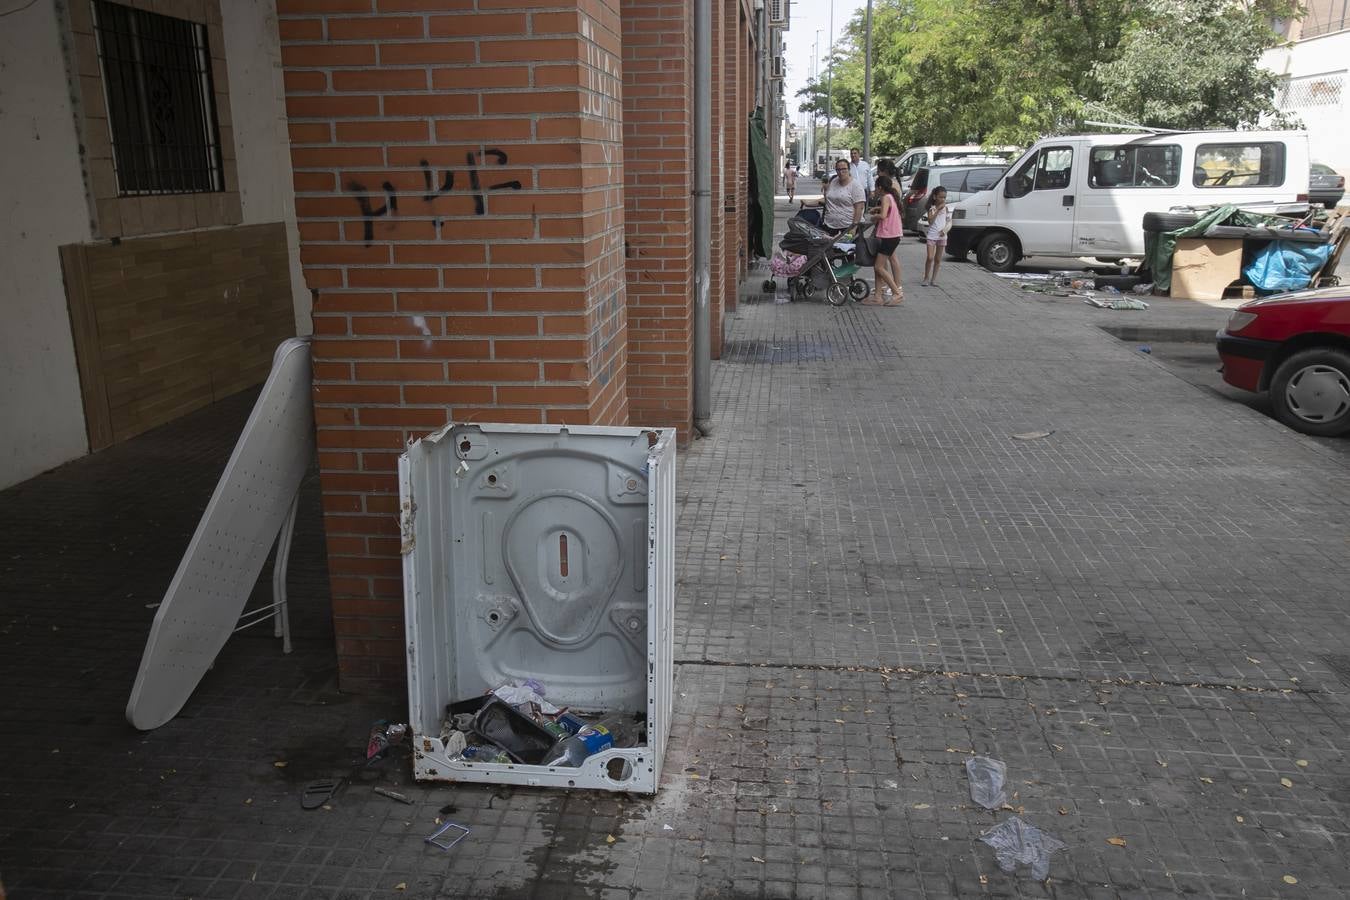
pixel 484 753
pixel 610 731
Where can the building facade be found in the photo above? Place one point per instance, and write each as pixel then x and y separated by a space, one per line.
pixel 1315 67
pixel 147 276
pixel 482 209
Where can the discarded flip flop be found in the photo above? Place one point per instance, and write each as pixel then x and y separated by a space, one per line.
pixel 317 793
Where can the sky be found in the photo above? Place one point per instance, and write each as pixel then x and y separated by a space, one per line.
pixel 806 17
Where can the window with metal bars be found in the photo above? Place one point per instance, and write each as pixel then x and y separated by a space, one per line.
pixel 161 104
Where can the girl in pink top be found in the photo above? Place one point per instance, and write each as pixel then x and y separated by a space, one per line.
pixel 889 231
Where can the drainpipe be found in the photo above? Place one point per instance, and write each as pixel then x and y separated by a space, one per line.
pixel 702 216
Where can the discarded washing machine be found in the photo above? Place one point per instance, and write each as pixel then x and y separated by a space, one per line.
pixel 538 576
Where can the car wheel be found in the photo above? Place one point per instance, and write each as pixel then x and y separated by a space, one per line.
pixel 1311 391
pixel 1168 221
pixel 998 252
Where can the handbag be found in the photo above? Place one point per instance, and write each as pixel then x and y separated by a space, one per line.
pixel 865 249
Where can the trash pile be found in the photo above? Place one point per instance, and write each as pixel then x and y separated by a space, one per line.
pixel 515 724
pixel 1276 252
pixel 1101 291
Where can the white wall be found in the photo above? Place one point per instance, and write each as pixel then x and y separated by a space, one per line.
pixel 1328 126
pixel 42 206
pixel 262 142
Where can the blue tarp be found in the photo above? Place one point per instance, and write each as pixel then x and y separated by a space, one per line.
pixel 1285 265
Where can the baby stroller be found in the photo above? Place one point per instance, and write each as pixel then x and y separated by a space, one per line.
pixel 829 265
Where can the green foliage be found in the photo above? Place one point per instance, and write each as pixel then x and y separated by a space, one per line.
pixel 1192 64
pixel 1010 71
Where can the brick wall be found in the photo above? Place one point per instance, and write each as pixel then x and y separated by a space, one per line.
pixel 658 179
pixel 458 174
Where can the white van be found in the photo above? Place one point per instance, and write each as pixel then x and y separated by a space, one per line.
pixel 1086 195
pixel 916 158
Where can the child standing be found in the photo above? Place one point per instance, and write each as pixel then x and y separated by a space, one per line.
pixel 889 230
pixel 939 223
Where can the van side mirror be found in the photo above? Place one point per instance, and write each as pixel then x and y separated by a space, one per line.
pixel 1007 187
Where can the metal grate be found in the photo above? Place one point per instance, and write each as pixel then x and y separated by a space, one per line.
pixel 161 105
pixel 1312 92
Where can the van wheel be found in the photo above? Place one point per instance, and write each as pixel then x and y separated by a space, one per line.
pixel 998 252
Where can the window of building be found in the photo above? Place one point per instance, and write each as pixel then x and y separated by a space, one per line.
pixel 161 107
pixel 1135 166
pixel 1239 165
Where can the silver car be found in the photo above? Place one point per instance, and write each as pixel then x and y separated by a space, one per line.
pixel 960 181
pixel 1326 185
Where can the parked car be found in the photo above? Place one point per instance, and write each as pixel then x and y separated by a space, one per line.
pixel 915 158
pixel 1326 185
pixel 960 181
pixel 1086 195
pixel 1297 347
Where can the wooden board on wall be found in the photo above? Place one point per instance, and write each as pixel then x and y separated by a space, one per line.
pixel 165 325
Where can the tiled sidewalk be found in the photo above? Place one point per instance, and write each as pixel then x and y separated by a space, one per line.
pixel 1142 613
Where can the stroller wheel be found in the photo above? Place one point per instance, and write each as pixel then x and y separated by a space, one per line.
pixel 837 294
pixel 859 289
pixel 808 290
pixel 770 286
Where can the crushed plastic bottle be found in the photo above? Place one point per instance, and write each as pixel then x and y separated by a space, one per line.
pixel 1016 842
pixel 611 731
pixel 987 777
pixel 383 735
pixel 484 753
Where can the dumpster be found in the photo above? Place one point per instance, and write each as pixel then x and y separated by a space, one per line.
pixel 538 576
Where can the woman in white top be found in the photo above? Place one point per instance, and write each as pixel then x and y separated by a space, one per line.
pixel 844 200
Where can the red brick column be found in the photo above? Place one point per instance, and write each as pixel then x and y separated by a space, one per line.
pixel 658 157
pixel 458 176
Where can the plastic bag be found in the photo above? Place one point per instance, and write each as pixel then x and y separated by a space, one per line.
pixel 1019 843
pixel 987 777
pixel 529 692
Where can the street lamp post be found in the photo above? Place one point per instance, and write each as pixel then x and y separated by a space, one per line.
pixel 867 87
pixel 815 78
pixel 829 83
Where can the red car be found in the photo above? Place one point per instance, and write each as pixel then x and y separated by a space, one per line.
pixel 1297 347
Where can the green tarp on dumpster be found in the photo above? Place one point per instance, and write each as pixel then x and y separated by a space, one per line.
pixel 761 187
pixel 1159 246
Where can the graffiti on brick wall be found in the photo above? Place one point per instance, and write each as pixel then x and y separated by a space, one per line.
pixel 434 188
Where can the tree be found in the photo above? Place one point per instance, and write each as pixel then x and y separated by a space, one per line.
pixel 1011 71
pixel 1192 64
